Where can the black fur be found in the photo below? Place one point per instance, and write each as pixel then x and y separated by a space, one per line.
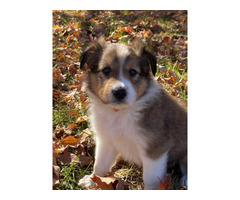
pixel 91 56
pixel 147 57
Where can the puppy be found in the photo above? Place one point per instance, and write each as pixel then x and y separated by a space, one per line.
pixel 130 114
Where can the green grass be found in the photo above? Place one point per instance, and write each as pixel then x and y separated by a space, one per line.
pixel 70 175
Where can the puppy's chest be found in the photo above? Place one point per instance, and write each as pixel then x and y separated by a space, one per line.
pixel 122 130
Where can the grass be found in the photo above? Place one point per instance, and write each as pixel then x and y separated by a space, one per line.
pixel 70 175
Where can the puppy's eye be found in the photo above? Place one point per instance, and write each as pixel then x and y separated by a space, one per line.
pixel 132 72
pixel 106 70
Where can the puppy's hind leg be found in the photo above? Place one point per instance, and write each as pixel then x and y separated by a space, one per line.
pixel 154 171
pixel 183 165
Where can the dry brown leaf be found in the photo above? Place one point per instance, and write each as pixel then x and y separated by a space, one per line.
pixel 72 126
pixel 105 183
pixel 68 97
pixel 84 160
pixel 66 157
pixel 71 141
pixel 79 76
pixel 61 56
pixel 87 131
pixel 166 39
pixel 167 184
pixel 56 171
pixel 79 120
pixel 110 183
pixel 82 137
pixel 57 76
pixel 116 36
pixel 59 149
pixel 55 155
pixel 82 97
pixel 85 104
pixel 59 131
pixel 72 69
pixel 70 113
pixel 56 95
pixel 72 86
pixel 55 180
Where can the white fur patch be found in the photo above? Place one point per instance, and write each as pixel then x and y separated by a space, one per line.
pixel 118 130
pixel 122 52
pixel 124 83
pixel 154 171
pixel 86 182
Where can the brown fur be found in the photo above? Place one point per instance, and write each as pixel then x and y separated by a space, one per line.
pixel 165 125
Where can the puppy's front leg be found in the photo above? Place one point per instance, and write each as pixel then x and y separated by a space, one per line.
pixel 105 157
pixel 154 171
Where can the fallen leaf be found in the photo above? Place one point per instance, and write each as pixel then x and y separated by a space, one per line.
pixel 61 56
pixel 72 86
pixel 166 185
pixel 70 113
pixel 76 26
pixel 55 26
pixel 110 183
pixel 55 180
pixel 82 97
pixel 105 183
pixel 80 119
pixel 166 39
pixel 57 76
pixel 59 150
pixel 68 97
pixel 56 95
pixel 79 76
pixel 116 36
pixel 84 160
pixel 72 69
pixel 71 141
pixel 87 131
pixel 82 137
pixel 72 126
pixel 85 104
pixel 66 157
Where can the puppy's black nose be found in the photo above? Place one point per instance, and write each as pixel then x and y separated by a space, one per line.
pixel 119 93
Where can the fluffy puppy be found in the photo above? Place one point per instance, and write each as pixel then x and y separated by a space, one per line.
pixel 130 114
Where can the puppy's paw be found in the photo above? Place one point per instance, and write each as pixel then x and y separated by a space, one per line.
pixel 86 182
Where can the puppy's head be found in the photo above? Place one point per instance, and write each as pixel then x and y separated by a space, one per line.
pixel 118 74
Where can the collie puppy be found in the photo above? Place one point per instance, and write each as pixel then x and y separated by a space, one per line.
pixel 130 114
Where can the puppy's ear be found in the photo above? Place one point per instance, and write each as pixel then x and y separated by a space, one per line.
pixel 91 56
pixel 148 60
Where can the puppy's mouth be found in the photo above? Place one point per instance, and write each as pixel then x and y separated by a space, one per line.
pixel 118 105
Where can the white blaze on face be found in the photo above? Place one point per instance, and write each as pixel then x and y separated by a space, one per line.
pixel 125 84
pixel 122 52
pixel 130 98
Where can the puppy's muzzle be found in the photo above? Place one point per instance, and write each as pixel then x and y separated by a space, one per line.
pixel 119 93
